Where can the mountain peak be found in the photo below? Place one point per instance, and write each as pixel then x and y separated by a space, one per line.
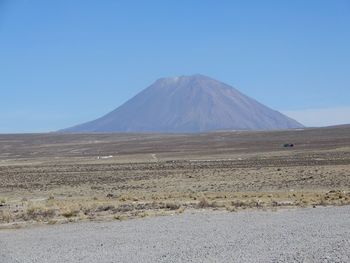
pixel 194 82
pixel 185 78
pixel 194 103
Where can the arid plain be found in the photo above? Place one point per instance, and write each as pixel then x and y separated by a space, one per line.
pixel 57 178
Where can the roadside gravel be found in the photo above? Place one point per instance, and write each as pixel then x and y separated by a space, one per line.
pixel 299 235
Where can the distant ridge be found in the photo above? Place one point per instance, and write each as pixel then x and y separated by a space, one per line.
pixel 188 104
pixel 337 126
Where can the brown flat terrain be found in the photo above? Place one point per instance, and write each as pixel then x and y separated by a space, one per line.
pixel 68 177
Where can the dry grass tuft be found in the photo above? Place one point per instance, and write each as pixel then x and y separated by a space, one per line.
pixel 70 212
pixel 39 213
pixel 204 203
pixel 5 216
pixel 181 210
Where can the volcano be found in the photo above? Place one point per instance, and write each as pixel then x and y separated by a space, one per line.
pixel 189 104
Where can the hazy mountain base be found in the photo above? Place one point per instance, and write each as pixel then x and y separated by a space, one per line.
pixel 253 171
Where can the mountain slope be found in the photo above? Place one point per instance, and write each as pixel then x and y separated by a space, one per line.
pixel 188 104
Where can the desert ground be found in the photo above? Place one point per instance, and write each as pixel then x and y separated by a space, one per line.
pixel 57 178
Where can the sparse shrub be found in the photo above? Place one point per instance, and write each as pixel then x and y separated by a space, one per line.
pixel 104 208
pixel 259 203
pixel 217 204
pixel 143 214
pixel 181 210
pixel 123 208
pixel 172 206
pixel 230 208
pixel 70 212
pixel 2 201
pixel 123 198
pixel 5 216
pixel 86 210
pixel 238 203
pixel 323 202
pixel 52 222
pixel 203 203
pixel 110 195
pixel 39 213
pixel 120 217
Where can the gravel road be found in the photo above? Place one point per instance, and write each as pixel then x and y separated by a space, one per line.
pixel 301 235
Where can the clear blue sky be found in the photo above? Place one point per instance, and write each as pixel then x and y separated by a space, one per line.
pixel 66 62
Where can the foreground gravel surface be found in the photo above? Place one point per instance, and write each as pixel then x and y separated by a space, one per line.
pixel 301 235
